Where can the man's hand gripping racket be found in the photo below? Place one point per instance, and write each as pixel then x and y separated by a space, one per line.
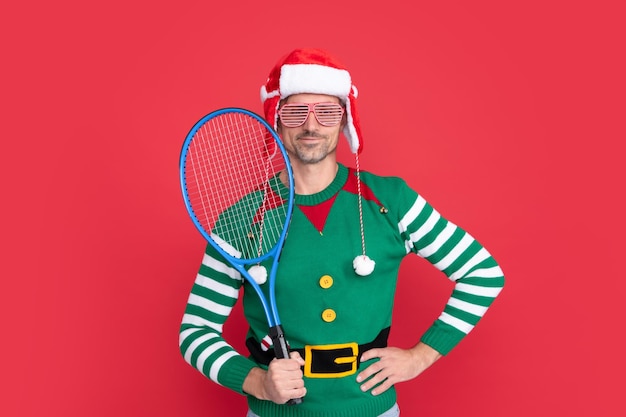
pixel 238 188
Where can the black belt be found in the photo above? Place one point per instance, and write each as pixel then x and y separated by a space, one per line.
pixel 324 361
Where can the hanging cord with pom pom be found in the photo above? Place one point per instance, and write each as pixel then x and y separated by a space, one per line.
pixel 258 271
pixel 362 264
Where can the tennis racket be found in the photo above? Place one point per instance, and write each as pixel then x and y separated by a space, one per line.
pixel 238 188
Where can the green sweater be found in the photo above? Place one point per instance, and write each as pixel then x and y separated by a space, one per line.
pixel 322 301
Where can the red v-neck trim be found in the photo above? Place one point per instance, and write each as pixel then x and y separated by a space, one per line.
pixel 318 213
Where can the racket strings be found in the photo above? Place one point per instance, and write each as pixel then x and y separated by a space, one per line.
pixel 233 183
pixel 266 193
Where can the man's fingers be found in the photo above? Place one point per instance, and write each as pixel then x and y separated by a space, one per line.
pixel 296 356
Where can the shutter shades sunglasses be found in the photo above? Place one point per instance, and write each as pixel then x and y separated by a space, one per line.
pixel 295 114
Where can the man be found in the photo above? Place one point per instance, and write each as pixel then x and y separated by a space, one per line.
pixel 335 287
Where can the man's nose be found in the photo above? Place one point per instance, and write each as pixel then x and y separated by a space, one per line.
pixel 311 122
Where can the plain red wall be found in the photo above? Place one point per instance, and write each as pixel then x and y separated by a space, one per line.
pixel 506 116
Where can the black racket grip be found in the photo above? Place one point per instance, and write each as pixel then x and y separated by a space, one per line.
pixel 282 351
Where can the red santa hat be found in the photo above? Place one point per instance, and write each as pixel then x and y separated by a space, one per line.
pixel 312 71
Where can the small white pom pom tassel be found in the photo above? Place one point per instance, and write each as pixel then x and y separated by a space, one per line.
pixel 259 273
pixel 363 265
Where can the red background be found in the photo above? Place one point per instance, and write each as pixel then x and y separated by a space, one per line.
pixel 508 117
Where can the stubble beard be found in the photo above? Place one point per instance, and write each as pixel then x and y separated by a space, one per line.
pixel 312 153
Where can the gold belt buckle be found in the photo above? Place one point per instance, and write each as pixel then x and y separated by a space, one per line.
pixel 309 353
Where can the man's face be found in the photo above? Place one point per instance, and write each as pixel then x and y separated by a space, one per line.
pixel 311 142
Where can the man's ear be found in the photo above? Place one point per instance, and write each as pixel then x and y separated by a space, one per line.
pixel 344 122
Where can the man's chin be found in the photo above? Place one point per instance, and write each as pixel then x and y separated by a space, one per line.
pixel 310 160
pixel 310 156
pixel 313 154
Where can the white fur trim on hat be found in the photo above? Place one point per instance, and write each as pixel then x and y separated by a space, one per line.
pixel 265 95
pixel 314 79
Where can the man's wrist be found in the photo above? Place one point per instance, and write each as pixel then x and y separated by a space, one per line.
pixel 253 384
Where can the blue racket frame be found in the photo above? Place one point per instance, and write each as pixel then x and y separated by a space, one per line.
pixel 271 311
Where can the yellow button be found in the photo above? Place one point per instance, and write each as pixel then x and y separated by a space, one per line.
pixel 326 281
pixel 329 315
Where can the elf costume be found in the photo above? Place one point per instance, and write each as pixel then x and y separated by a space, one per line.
pixel 334 306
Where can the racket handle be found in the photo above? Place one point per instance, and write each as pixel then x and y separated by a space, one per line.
pixel 282 351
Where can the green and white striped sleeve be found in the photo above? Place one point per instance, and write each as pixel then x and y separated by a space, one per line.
pixel 211 300
pixel 478 278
